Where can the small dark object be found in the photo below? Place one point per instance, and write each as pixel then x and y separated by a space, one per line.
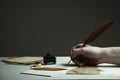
pixel 49 59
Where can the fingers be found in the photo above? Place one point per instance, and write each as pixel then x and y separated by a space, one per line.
pixel 76 56
pixel 81 60
pixel 78 63
pixel 76 51
pixel 78 48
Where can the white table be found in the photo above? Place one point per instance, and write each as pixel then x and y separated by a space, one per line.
pixel 13 72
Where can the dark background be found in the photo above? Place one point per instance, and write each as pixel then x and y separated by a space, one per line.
pixel 35 27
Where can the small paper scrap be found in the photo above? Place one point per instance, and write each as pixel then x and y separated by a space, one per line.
pixel 85 70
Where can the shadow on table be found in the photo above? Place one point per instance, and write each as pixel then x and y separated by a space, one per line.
pixel 101 65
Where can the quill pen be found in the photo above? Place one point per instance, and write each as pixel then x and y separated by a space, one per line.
pixel 97 33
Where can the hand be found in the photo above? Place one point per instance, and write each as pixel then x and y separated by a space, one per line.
pixel 87 55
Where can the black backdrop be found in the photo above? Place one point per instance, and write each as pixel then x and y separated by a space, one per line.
pixel 35 27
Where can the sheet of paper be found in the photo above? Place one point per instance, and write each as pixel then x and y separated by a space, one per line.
pixel 41 72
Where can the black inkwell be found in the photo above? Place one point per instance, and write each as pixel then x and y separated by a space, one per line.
pixel 49 58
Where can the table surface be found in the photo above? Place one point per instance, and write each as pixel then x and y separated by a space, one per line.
pixel 13 72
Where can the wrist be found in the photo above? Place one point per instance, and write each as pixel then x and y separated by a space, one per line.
pixel 110 55
pixel 104 55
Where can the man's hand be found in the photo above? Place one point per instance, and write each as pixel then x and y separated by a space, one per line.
pixel 87 55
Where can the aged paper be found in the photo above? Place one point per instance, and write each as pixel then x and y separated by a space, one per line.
pixel 23 60
pixel 84 70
